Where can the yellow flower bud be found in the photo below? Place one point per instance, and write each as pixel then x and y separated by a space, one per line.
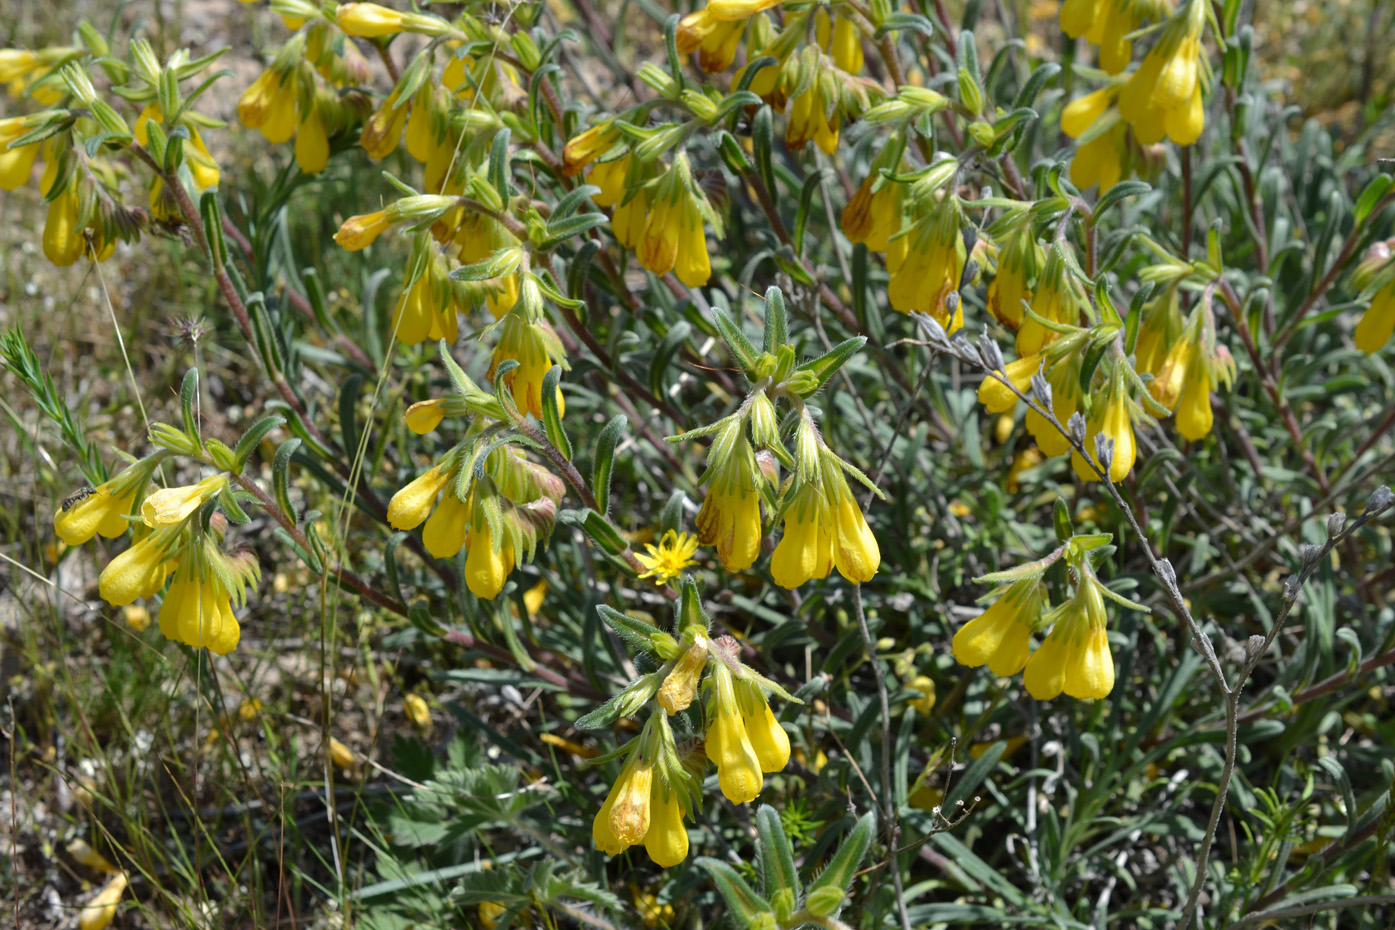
pixel 996 396
pixel 63 241
pixel 425 416
pixel 359 232
pixel 368 20
pixel 312 143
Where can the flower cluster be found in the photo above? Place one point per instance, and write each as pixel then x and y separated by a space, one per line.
pixel 824 526
pixel 660 782
pixel 176 534
pixel 1117 124
pixel 483 495
pixel 1074 656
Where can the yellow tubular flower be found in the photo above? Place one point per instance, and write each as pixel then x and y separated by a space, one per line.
pixel 63 241
pixel 1000 637
pixel 487 567
pixel 1378 322
pixel 1078 16
pixel 448 526
pixel 368 20
pixel 658 251
pixel 417 711
pixel 100 512
pixel 855 551
pixel 383 129
pixel 412 318
pixel 359 232
pixel 805 549
pixel 601 834
pixel 680 684
pixel 1075 656
pixel 609 176
pixel 138 572
pixel 16 63
pixel 809 119
pixel 926 702
pixel 923 282
pixel 199 613
pixel 847 46
pixel 169 506
pixel 1082 112
pixel 312 143
pixel 16 165
pixel 667 839
pixel 536 349
pixel 629 812
pixel 769 740
pixel 729 747
pixel 1063 376
pixel 628 220
pixel 1164 94
pixel 995 396
pixel 1110 419
pixel 692 264
pixel 98 913
pixel 585 148
pixel 426 415
pixel 1116 48
pixel 411 504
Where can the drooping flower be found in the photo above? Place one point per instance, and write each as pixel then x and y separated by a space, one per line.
pixel 679 686
pixel 1194 365
pixel 138 572
pixel 645 804
pixel 730 515
pixel 1058 298
pixel 805 550
pixel 1164 96
pixel 411 505
pixel 101 511
pixel 1377 323
pixel 536 347
pixel 1019 262
pixel 1110 417
pixel 169 506
pixel 930 272
pixel 667 560
pixel 198 611
pixel 728 744
pixel 675 238
pixel 1000 637
pixel 1075 656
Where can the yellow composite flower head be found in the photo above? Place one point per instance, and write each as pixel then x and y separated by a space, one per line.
pixel 669 558
pixel 728 745
pixel 101 511
pixel 730 514
pixel 198 612
pixel 1377 323
pixel 1075 656
pixel 1000 637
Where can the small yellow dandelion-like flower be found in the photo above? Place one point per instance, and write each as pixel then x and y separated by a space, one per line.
pixel 667 560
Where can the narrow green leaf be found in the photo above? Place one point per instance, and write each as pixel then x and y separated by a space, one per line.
pixel 604 462
pixel 253 438
pixel 552 413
